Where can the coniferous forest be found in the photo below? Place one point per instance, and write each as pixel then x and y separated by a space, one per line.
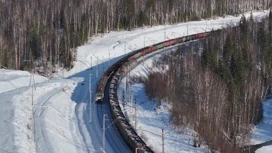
pixel 219 92
pixel 45 33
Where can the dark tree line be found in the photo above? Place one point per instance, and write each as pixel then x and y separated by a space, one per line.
pixel 220 93
pixel 45 33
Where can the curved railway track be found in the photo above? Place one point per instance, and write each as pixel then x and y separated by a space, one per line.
pixel 112 135
pixel 122 132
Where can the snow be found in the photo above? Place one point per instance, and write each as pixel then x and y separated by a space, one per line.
pixel 61 107
pixel 11 79
pixel 15 131
pixel 263 132
pixel 265 149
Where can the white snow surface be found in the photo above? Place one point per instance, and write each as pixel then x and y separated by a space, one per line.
pixel 263 132
pixel 55 119
pixel 265 149
pixel 11 79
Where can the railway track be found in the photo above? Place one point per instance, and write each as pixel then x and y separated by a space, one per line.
pixel 112 135
pixel 110 105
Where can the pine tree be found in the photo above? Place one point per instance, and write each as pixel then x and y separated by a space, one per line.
pixel 227 50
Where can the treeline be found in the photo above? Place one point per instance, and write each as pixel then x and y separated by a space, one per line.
pixel 45 33
pixel 220 92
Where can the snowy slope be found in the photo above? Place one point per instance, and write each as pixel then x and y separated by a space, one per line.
pixel 11 79
pixel 263 132
pixel 61 107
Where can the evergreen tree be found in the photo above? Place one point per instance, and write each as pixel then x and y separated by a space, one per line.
pixel 227 50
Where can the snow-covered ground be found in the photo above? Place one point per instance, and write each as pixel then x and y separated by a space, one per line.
pixel 265 149
pixel 11 80
pixel 263 132
pixel 60 106
pixel 51 107
pixel 151 118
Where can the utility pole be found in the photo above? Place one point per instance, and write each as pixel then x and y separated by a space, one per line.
pixel 4 74
pixel 62 71
pixel 125 91
pixel 32 82
pixel 126 87
pixel 103 63
pixel 187 25
pixel 206 25
pixel 187 29
pixel 211 14
pixel 97 68
pixel 162 141
pixel 131 103
pixel 109 58
pixel 32 98
pixel 91 62
pixel 144 34
pixel 164 31
pixel 90 90
pixel 135 115
pixel 129 91
pixel 103 131
pixel 125 48
pixel 144 39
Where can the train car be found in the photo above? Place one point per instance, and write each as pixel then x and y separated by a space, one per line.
pixel 169 43
pixel 114 103
pixel 120 115
pixel 153 49
pixel 134 140
pixel 166 44
pixel 133 63
pixel 116 108
pixel 205 34
pixel 189 38
pixel 173 42
pixel 179 40
pixel 145 149
pixel 160 46
pixel 114 99
pixel 113 85
pixel 143 52
pixel 199 35
pixel 112 91
pixel 100 89
pixel 137 55
pixel 148 50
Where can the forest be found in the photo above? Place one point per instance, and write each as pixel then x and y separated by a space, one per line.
pixel 218 91
pixel 44 34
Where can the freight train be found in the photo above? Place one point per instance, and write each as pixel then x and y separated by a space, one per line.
pixel 115 74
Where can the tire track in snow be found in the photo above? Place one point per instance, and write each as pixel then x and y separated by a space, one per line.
pixel 39 123
pixel 79 112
